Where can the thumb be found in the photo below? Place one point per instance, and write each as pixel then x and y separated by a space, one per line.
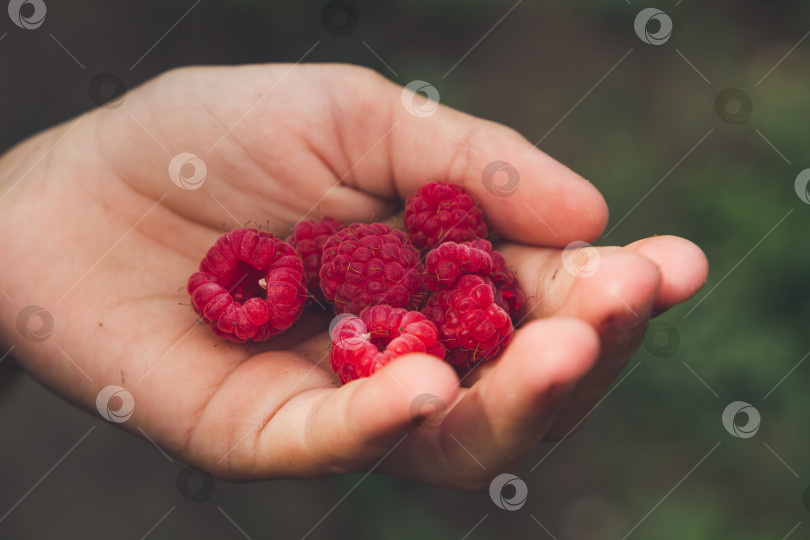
pixel 355 425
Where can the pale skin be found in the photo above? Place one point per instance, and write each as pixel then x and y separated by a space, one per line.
pixel 79 239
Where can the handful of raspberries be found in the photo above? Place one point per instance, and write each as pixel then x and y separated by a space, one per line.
pixel 439 289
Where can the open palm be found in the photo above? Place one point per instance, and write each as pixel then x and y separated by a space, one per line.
pixel 104 240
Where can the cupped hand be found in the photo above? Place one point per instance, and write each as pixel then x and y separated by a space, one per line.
pixel 96 231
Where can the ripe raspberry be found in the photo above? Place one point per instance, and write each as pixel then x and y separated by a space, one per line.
pixel 362 345
pixel 439 212
pixel 368 264
pixel 249 287
pixel 308 239
pixel 471 325
pixel 446 264
pixel 508 294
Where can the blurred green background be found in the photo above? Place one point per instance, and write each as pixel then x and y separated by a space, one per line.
pixel 647 132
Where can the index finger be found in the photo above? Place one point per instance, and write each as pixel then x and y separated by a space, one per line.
pixel 526 195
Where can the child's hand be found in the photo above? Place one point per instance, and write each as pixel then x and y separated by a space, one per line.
pixel 95 231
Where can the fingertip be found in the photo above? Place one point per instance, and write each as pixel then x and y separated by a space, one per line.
pixel 421 374
pixel 645 273
pixel 532 379
pixel 575 196
pixel 594 212
pixel 573 192
pixel 619 292
pixel 631 278
pixel 547 194
pixel 398 392
pixel 561 349
pixel 683 265
pixel 526 195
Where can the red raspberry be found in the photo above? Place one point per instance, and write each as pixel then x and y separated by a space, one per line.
pixel 508 294
pixel 308 239
pixel 362 345
pixel 368 264
pixel 446 264
pixel 440 212
pixel 249 287
pixel 471 325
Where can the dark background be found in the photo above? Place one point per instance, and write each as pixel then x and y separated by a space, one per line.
pixel 652 133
